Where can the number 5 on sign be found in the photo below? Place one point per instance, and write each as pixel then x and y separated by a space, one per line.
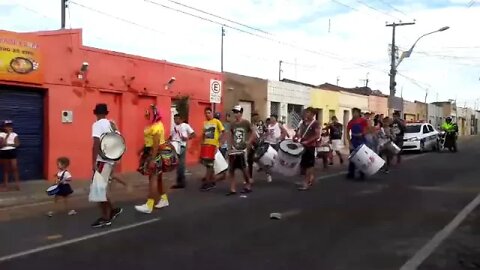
pixel 215 91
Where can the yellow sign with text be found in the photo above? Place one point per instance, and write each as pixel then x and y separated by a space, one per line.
pixel 20 58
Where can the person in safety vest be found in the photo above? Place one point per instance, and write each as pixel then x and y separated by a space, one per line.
pixel 451 130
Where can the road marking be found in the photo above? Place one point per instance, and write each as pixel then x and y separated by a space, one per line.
pixel 75 240
pixel 345 172
pixel 54 237
pixel 435 242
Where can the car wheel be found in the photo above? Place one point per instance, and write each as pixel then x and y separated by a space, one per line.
pixel 422 147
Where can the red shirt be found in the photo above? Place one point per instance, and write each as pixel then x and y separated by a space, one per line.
pixel 357 126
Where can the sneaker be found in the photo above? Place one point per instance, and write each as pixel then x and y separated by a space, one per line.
pixel 162 203
pixel 50 214
pixel 72 212
pixel 143 209
pixel 116 212
pixel 269 178
pixel 101 223
pixel 208 186
pixel 177 186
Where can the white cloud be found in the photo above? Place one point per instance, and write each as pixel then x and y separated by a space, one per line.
pixel 357 43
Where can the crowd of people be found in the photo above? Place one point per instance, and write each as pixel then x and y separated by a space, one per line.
pixel 239 141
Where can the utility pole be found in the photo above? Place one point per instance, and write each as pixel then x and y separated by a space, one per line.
pixel 280 70
pixel 221 48
pixel 221 61
pixel 64 11
pixel 426 106
pixel 393 68
pixel 338 80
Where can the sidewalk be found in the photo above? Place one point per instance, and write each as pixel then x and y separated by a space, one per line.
pixel 32 192
pixel 35 191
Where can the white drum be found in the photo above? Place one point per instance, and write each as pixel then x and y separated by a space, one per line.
pixel 220 164
pixel 366 160
pixel 112 146
pixel 177 146
pixel 265 154
pixel 268 158
pixel 288 158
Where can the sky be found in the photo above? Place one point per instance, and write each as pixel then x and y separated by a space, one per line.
pixel 318 40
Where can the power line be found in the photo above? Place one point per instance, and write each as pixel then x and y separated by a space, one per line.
pixel 117 18
pixel 217 16
pixel 377 10
pixel 392 7
pixel 321 53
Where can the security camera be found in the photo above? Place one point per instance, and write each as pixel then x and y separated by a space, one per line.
pixel 172 80
pixel 84 67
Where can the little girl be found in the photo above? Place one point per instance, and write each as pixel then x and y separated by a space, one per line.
pixel 64 188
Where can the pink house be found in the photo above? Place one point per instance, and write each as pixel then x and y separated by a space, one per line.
pixel 378 103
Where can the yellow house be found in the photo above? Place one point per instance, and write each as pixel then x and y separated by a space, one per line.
pixel 327 102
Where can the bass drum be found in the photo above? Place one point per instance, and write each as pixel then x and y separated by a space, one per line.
pixel 112 146
pixel 288 158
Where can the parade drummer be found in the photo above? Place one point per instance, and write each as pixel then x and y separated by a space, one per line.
pixel 102 166
pixel 308 135
pixel 241 138
pixel 152 163
pixel 356 130
pixel 212 133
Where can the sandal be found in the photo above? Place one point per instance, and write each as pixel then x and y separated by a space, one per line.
pixel 303 188
pixel 246 190
pixel 231 193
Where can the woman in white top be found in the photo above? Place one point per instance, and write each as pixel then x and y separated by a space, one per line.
pixel 9 143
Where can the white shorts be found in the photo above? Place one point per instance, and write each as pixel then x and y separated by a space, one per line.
pixel 337 145
pixel 98 188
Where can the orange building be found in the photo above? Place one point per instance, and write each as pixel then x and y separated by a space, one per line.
pixel 49 92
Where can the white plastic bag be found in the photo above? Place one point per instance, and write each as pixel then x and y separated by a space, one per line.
pixel 98 188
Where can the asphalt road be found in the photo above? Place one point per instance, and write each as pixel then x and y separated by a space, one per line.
pixel 382 223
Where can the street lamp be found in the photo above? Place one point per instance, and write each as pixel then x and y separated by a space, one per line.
pixel 407 54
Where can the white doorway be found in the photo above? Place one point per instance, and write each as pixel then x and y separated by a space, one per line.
pixel 247 109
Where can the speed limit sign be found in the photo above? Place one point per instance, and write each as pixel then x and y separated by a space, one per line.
pixel 215 91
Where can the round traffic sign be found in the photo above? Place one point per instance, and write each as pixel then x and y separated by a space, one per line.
pixel 215 87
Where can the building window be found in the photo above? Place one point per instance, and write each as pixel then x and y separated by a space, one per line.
pixel 275 108
pixel 294 115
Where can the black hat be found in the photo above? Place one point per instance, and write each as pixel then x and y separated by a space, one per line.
pixel 101 108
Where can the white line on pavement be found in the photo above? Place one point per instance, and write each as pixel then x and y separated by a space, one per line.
pixel 345 172
pixel 75 240
pixel 435 242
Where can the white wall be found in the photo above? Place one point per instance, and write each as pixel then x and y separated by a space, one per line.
pixel 435 115
pixel 287 93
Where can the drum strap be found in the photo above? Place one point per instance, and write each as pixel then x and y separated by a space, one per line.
pixel 306 130
pixel 62 176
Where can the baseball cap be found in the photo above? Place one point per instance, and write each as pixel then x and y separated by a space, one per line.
pixel 237 108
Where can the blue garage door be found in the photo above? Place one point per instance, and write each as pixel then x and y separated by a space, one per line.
pixel 25 108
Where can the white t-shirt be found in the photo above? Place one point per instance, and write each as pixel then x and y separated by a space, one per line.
pixel 179 131
pixel 10 140
pixel 274 132
pixel 99 128
pixel 66 176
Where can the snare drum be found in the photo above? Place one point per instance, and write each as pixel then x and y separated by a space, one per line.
pixel 208 152
pixel 366 160
pixel 288 158
pixel 112 146
pixel 52 190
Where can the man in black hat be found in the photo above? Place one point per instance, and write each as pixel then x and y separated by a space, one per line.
pixel 103 166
